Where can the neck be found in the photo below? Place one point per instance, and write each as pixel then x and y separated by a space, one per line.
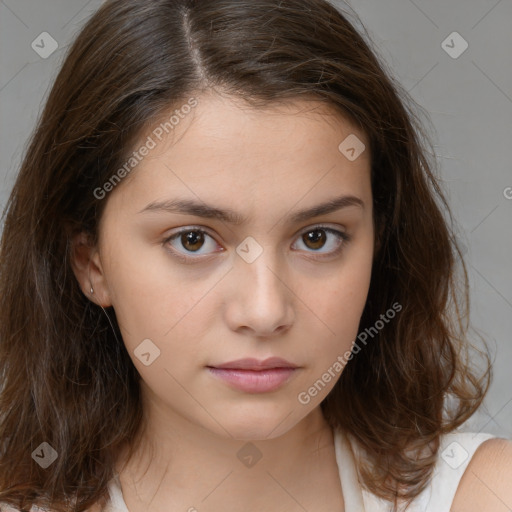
pixel 173 452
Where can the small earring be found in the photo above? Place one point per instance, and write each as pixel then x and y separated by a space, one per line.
pixel 92 291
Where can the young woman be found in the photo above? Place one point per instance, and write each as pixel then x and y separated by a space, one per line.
pixel 227 282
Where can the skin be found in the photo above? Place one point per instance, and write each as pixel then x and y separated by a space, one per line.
pixel 285 303
pixel 485 485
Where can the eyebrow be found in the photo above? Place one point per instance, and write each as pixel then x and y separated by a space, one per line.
pixel 191 207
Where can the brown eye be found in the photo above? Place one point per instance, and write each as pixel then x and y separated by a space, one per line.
pixel 319 237
pixel 315 239
pixel 192 240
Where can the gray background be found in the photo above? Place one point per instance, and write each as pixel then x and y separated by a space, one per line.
pixel 468 99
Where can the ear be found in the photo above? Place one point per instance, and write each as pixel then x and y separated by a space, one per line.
pixel 87 267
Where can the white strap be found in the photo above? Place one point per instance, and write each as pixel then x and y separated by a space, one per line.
pixel 351 489
pixel 116 503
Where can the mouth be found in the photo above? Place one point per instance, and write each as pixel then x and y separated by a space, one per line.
pixel 254 381
pixel 254 376
pixel 250 363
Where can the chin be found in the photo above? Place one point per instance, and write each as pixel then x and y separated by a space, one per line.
pixel 257 425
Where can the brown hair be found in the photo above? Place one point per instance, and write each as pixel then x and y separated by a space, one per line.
pixel 66 377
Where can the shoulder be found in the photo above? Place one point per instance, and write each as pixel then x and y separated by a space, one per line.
pixel 485 484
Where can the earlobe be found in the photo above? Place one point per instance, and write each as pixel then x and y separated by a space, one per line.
pixel 87 267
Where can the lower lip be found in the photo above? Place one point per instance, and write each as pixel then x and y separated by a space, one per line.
pixel 252 381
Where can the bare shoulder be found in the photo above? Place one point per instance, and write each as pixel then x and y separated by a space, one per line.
pixel 485 485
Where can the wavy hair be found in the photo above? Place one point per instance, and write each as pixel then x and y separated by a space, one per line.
pixel 67 380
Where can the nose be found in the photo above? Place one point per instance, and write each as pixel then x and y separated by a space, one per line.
pixel 262 301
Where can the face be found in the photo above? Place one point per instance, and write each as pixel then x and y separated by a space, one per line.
pixel 192 292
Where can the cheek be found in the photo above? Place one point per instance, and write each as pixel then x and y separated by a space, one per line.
pixel 341 304
pixel 140 291
pixel 156 299
pixel 339 307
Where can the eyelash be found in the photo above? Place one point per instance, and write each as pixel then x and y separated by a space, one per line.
pixel 344 237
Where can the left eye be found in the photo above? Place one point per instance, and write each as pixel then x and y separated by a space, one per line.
pixel 318 235
pixel 193 239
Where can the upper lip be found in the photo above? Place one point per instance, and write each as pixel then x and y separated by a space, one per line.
pixel 256 364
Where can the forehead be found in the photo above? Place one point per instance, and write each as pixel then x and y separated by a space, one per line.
pixel 299 124
pixel 227 150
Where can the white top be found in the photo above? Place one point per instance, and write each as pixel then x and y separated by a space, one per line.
pixel 455 453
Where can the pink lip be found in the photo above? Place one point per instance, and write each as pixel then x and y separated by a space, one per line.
pixel 254 381
pixel 254 376
pixel 256 364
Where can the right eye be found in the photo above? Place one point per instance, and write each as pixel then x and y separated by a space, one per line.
pixel 190 239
